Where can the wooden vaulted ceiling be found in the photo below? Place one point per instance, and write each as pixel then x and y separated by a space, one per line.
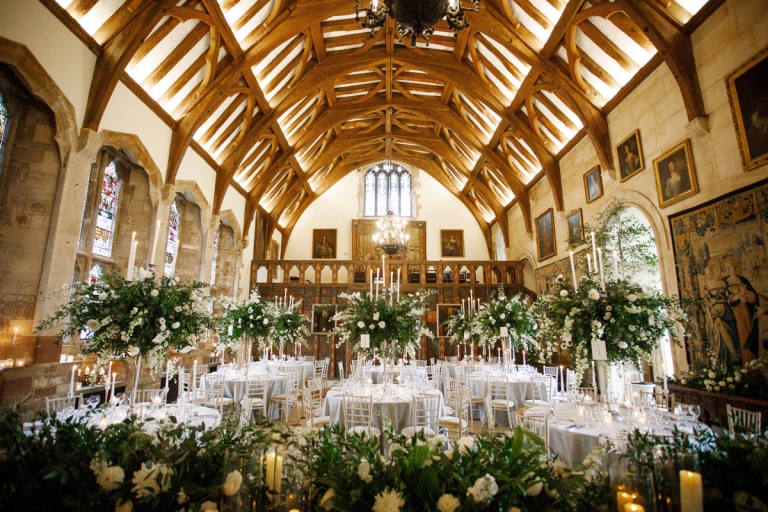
pixel 285 97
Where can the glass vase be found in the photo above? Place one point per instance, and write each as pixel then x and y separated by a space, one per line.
pixel 631 484
pixel 245 497
pixel 668 462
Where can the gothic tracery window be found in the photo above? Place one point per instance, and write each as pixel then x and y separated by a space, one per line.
pixel 387 188
pixel 172 244
pixel 107 216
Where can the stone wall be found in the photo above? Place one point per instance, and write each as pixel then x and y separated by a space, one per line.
pixel 28 183
pixel 226 263
pixel 188 259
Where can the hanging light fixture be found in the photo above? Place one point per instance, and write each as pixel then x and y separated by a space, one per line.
pixel 391 236
pixel 416 18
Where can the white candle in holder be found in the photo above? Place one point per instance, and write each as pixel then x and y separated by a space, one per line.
pixel 573 273
pixel 72 382
pixel 602 276
pixel 691 492
pixel 594 250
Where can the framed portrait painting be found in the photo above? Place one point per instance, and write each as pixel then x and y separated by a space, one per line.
pixel 629 156
pixel 748 98
pixel 675 175
pixel 593 184
pixel 322 318
pixel 575 227
pixel 323 244
pixel 545 235
pixel 452 243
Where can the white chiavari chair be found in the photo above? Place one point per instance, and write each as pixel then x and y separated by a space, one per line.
pixel 551 371
pixel 498 389
pixel 56 405
pixel 490 414
pixel 358 416
pixel 256 391
pixel 246 412
pixel 290 398
pixel 457 426
pixel 742 421
pixel 312 398
pixel 150 395
pixel 537 425
pixel 214 393
pixel 542 391
pixel 425 410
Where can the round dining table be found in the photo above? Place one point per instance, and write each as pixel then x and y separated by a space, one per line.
pixel 152 415
pixel 236 384
pixel 394 403
pixel 519 389
pixel 572 439
pixel 376 373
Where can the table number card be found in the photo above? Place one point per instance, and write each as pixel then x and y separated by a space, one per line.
pixel 466 335
pixel 504 332
pixel 599 352
pixel 365 341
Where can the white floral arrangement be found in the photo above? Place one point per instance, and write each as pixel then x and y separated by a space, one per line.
pixel 147 317
pixel 288 325
pixel 749 380
pixel 509 312
pixel 394 326
pixel 249 317
pixel 629 320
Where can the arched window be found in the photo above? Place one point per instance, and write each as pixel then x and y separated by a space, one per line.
pixel 172 245
pixel 3 126
pixel 387 188
pixel 215 255
pixel 105 220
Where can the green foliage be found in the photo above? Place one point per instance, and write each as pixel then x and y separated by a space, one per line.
pixel 713 374
pixel 510 312
pixel 244 318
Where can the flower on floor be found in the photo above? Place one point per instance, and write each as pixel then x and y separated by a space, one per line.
pixel 388 500
pixel 448 503
pixel 485 489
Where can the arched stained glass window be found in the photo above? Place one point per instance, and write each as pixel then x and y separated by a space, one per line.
pixel 215 255
pixel 387 188
pixel 172 245
pixel 3 122
pixel 105 220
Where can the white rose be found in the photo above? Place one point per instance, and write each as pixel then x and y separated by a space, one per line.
pixel 124 506
pixel 502 316
pixel 92 324
pixel 721 383
pixel 110 478
pixel 382 325
pixel 631 297
pixel 154 293
pixel 102 296
pixel 175 325
pixel 209 506
pixel 266 321
pixel 717 388
pixel 372 326
pixel 448 503
pixel 712 375
pixel 376 316
pixel 593 294
pixel 361 324
pixel 683 382
pixel 729 379
pixel 364 471
pixel 232 483
pixel 623 344
pixel 535 489
pixel 466 444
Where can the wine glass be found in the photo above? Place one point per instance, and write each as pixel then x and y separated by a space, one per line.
pixel 695 410
pixel 92 401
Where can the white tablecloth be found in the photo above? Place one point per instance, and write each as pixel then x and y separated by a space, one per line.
pixel 376 373
pixel 194 415
pixel 573 442
pixel 236 385
pixel 396 406
pixel 520 388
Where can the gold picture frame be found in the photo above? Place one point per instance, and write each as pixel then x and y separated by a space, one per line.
pixel 748 100
pixel 324 244
pixel 593 184
pixel 575 223
pixel 675 175
pixel 452 243
pixel 546 244
pixel 629 156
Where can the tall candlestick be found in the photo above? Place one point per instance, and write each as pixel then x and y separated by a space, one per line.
pixel 154 244
pixel 589 263
pixel 15 335
pixel 462 306
pixel 370 294
pixel 602 276
pixel 471 300
pixel 114 378
pixel 562 379
pixel 377 284
pixel 285 296
pixel 383 272
pixel 398 284
pixel 72 382
pixel 131 258
pixel 194 377
pixel 691 492
pixel 594 250
pixel 524 363
pixel 573 273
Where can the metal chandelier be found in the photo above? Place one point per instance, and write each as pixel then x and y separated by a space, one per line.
pixel 416 18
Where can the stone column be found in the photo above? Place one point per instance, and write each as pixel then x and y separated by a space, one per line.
pixel 209 232
pixel 162 211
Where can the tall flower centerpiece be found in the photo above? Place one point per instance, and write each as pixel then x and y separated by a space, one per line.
pixel 387 326
pixel 289 325
pixel 147 317
pixel 627 319
pixel 464 328
pixel 508 314
pixel 244 321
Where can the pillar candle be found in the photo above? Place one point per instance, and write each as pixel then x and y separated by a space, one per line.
pixel 573 273
pixel 589 263
pixel 274 472
pixel 594 250
pixel 398 285
pixel 602 276
pixel 131 258
pixel 114 378
pixel 633 507
pixel 154 244
pixel 691 492
pixel 370 294
pixel 72 382
pixel 624 498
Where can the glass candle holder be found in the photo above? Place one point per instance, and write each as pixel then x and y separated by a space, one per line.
pixel 632 487
pixel 668 462
pixel 242 481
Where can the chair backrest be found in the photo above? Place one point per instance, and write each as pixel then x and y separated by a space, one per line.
pixel 341 370
pixel 295 377
pixel 490 414
pixel 498 388
pixel 551 370
pixel 54 405
pixel 586 391
pixel 257 386
pixel 421 362
pixel 246 410
pixel 201 370
pixel 463 403
pixel 358 411
pixel 450 386
pixel 312 396
pixel 742 421
pixel 214 390
pixel 542 388
pixel 539 426
pixel 571 378
pixel 184 382
pixel 150 395
pixel 425 411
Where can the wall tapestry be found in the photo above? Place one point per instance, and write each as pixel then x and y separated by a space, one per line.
pixel 721 258
pixel 363 247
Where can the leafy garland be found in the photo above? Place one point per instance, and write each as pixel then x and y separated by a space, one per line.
pixel 288 325
pixel 147 316
pixel 747 381
pixel 244 318
pixel 509 312
pixel 395 326
pixel 629 320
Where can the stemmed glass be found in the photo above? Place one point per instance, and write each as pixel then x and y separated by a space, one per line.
pixel 92 402
pixel 695 410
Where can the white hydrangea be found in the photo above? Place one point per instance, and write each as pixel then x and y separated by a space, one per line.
pixel 111 478
pixel 388 500
pixel 448 503
pixel 154 293
pixel 484 490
